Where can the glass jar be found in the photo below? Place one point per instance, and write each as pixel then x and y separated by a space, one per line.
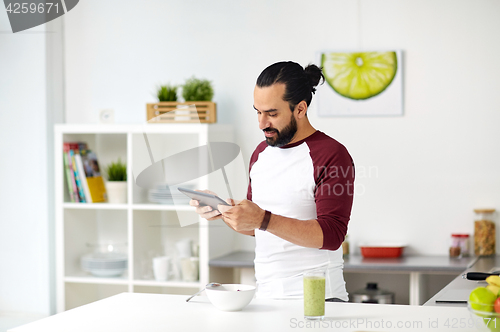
pixel 459 246
pixel 345 246
pixel 484 232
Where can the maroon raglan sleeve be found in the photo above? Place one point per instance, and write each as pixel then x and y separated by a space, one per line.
pixel 334 176
pixel 249 190
pixel 253 159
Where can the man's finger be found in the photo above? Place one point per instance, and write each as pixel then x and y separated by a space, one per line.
pixel 224 208
pixel 203 209
pixel 210 215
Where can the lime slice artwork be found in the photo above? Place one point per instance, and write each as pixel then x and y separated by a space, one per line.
pixel 359 75
pixel 360 83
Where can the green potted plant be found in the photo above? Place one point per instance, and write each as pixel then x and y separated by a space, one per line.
pixel 166 93
pixel 116 184
pixel 196 108
pixel 197 90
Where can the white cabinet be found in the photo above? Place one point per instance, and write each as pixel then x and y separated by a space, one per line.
pixel 139 228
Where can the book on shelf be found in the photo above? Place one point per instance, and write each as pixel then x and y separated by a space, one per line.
pixel 83 180
pixel 70 175
pixel 73 151
pixel 95 182
pixel 88 186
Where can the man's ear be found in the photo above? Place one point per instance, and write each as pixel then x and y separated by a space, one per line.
pixel 301 109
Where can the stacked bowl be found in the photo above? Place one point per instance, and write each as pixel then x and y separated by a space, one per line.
pixel 104 264
pixel 164 194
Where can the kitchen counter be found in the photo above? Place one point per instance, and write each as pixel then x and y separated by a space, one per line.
pixel 427 264
pixel 236 259
pixel 161 312
pixel 415 266
pixel 456 293
pixel 357 263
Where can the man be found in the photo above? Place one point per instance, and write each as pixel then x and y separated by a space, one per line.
pixel 301 189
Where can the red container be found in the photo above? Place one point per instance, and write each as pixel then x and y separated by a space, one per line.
pixel 382 251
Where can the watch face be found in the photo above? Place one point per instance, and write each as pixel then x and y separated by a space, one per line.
pixel 106 116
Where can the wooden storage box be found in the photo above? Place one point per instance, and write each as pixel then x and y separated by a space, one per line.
pixel 175 112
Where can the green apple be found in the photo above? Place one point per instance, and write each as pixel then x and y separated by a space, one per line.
pixel 482 299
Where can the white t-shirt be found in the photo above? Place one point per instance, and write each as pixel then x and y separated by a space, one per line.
pixel 310 179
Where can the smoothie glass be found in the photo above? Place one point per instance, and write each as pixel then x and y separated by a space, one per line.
pixel 314 294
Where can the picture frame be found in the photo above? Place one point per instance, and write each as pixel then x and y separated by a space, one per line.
pixel 368 83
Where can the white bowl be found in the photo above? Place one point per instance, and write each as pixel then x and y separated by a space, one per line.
pixel 230 297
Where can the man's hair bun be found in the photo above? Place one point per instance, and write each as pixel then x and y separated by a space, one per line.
pixel 314 75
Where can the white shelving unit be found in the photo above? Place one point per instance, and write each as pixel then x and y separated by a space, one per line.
pixel 141 227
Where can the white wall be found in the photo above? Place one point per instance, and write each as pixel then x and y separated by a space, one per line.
pixel 31 101
pixel 24 225
pixel 433 165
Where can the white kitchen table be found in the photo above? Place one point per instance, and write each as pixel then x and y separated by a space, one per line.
pixel 161 312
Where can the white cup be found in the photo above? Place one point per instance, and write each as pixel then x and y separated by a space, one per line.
pixel 189 267
pixel 184 248
pixel 161 268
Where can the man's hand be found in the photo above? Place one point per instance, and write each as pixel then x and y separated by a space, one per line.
pixel 245 216
pixel 206 211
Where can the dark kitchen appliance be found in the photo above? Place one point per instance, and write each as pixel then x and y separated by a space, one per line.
pixel 372 294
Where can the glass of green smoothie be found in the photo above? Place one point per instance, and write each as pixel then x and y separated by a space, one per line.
pixel 314 294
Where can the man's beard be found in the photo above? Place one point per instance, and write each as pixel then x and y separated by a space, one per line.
pixel 284 136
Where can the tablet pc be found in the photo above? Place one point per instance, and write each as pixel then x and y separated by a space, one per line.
pixel 204 198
